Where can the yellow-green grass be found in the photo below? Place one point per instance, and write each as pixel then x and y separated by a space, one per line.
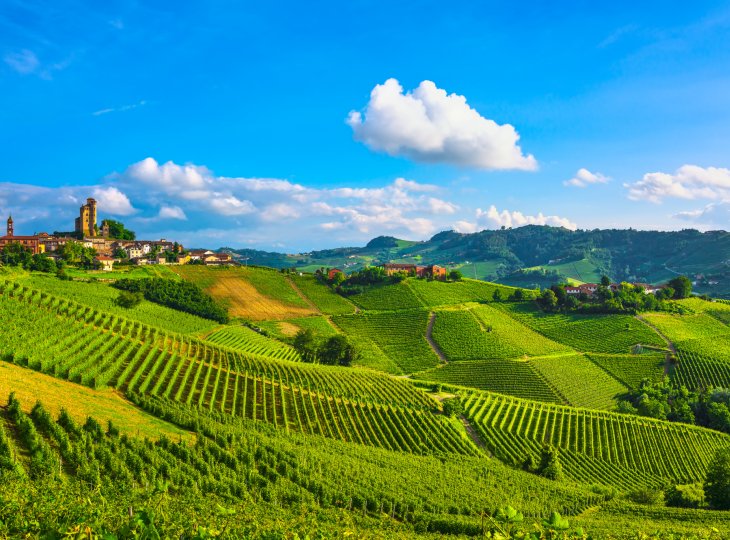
pixel 287 329
pixel 31 386
pixel 322 296
pixel 440 293
pixel 255 294
pixel 682 327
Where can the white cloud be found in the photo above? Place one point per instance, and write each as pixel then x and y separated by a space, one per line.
pixel 494 219
pixel 584 177
pixel 713 214
pixel 438 206
pixel 123 108
pixel 231 206
pixel 688 182
pixel 111 200
pixel 172 212
pixel 24 62
pixel 432 126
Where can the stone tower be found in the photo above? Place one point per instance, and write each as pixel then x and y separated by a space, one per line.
pixel 86 222
pixel 10 226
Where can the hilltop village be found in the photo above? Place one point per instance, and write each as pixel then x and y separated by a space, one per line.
pixel 109 244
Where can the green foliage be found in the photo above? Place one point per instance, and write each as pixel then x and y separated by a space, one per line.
pixel 717 481
pixel 682 287
pixel 647 496
pixel 685 496
pixel 250 341
pixel 117 230
pixel 182 295
pixel 453 407
pixel 550 466
pixel 16 254
pixel 128 299
pixel 77 254
pixel 456 275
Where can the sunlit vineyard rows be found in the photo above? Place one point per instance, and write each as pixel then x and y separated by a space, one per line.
pixel 246 340
pixel 512 377
pixel 589 333
pixel 387 298
pixel 437 293
pixel 322 296
pixel 401 336
pixel 631 369
pixel 581 382
pixel 681 327
pixel 695 370
pixel 634 447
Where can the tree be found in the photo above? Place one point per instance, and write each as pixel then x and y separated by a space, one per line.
pixel 16 254
pixel 548 300
pixel 337 351
pixel 682 286
pixel 455 275
pixel 306 345
pixel 550 466
pixel 40 262
pixel 128 299
pixel 497 295
pixel 117 230
pixel 717 481
pixel 605 281
pixel 453 406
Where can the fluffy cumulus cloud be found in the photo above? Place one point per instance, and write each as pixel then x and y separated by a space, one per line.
pixel 687 182
pixel 494 219
pixel 113 201
pixel 431 126
pixel 171 212
pixel 584 178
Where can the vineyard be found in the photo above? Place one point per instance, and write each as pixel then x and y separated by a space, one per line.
pixel 387 298
pixel 438 293
pixel 682 327
pixel 569 375
pixel 326 300
pixel 401 336
pixel 588 333
pixel 697 370
pixel 631 369
pixel 613 449
pixel 482 332
pixel 246 340
pixel 512 377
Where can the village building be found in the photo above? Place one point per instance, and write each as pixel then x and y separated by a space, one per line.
pixel 106 263
pixel 433 271
pixel 31 242
pixel 590 288
pixel 333 272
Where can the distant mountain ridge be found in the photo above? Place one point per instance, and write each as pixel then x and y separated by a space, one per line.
pixel 536 255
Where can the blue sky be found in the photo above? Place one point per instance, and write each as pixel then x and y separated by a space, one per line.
pixel 303 125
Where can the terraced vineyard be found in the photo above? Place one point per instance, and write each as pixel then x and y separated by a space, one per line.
pixel 401 336
pixel 287 329
pixel 483 333
pixel 96 349
pixel 696 370
pixel 613 449
pixel 512 377
pixel 326 300
pixel 581 382
pixel 631 369
pixel 587 333
pixel 438 293
pixel 246 340
pixel 387 297
pixel 682 327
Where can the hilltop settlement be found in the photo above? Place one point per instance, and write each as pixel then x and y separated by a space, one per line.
pixel 103 247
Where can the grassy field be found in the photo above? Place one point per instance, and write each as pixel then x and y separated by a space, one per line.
pixel 108 404
pixel 287 329
pixel 439 293
pixel 249 293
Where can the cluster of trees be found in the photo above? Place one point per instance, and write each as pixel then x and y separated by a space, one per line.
pixel 16 254
pixel 118 231
pixel 549 465
pixel 77 254
pixel 707 407
pixel 627 298
pixel 333 351
pixel 181 295
pixel 518 295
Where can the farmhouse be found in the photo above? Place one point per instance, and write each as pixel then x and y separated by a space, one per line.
pixel 31 242
pixel 333 272
pixel 591 288
pixel 107 263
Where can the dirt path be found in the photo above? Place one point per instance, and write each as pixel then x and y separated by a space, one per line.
pixel 473 435
pixel 672 349
pixel 431 342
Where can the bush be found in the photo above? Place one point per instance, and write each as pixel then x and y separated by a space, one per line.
pixel 453 407
pixel 717 482
pixel 127 299
pixel 686 496
pixel 646 496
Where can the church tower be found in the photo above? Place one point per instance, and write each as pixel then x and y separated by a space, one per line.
pixel 10 226
pixel 86 222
